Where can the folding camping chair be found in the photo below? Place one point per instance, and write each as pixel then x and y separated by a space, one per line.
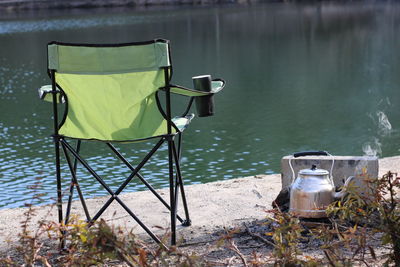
pixel 112 94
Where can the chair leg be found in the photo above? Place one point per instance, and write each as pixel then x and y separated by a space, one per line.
pixel 59 189
pixel 73 173
pixel 177 156
pixel 172 191
pixel 69 204
pixel 74 183
pixel 186 222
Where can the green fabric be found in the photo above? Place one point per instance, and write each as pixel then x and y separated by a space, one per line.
pixel 187 91
pixel 113 107
pixel 216 86
pixel 111 91
pixel 108 60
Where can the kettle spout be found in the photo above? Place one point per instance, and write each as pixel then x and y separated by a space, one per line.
pixel 343 192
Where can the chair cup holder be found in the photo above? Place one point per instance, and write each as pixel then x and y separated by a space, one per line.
pixel 204 105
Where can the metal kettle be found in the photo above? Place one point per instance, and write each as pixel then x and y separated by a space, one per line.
pixel 313 190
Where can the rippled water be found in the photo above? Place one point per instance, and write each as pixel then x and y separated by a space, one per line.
pixel 300 77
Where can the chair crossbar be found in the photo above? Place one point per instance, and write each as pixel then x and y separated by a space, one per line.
pixel 138 220
pixel 77 149
pixel 87 166
pixel 99 179
pixel 74 183
pixel 142 179
pixel 114 194
pixel 140 165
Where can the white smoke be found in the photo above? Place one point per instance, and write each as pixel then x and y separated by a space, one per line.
pixel 384 128
pixel 384 125
pixel 372 148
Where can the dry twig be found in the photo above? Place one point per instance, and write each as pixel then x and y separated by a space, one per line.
pixel 259 237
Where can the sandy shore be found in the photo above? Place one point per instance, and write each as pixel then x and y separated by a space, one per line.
pixel 213 206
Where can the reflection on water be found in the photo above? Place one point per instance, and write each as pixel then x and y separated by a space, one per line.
pixel 45 24
pixel 300 77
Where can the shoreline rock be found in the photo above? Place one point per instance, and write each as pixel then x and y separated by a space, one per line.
pixel 14 5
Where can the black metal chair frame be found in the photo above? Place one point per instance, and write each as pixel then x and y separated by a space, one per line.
pixel 73 157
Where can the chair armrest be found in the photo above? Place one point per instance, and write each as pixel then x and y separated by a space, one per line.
pixel 216 86
pixel 45 93
pixel 180 90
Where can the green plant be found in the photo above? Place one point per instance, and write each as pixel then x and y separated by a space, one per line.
pixel 90 246
pixel 287 234
pixel 101 243
pixel 343 241
pixel 378 211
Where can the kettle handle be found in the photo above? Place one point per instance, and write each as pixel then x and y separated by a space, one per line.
pixel 312 153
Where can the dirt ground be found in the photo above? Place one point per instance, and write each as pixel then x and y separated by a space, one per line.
pixel 216 209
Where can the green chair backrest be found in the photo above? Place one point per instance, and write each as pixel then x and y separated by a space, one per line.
pixel 111 89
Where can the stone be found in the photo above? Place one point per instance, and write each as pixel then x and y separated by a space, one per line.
pixel 282 201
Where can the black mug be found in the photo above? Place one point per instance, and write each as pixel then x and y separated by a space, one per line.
pixel 204 104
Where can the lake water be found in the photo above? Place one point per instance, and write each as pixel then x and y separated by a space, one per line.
pixel 299 77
